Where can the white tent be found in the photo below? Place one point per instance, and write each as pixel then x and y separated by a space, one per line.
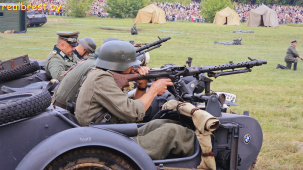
pixel 227 16
pixel 263 16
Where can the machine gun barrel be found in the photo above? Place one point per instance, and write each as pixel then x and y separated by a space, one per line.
pixel 147 46
pixel 231 66
pixel 142 52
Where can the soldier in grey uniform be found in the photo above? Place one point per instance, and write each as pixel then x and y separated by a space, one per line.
pixel 234 42
pixel 60 59
pixel 242 31
pixel 134 30
pixel 101 100
pixel 65 95
pixel 86 47
pixel 291 57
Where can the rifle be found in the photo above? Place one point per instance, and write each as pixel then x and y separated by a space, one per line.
pixel 176 73
pixel 147 46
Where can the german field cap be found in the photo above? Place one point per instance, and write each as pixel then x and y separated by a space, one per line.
pixel 294 41
pixel 69 37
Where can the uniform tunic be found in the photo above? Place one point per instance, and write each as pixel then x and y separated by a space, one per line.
pixel 57 63
pixel 291 54
pixel 72 81
pixel 100 90
pixel 160 138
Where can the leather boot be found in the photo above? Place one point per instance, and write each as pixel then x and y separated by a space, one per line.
pixel 295 66
pixel 281 66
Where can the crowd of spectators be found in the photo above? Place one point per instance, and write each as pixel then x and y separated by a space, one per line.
pixel 178 11
pixel 286 14
pixel 99 8
pixel 289 14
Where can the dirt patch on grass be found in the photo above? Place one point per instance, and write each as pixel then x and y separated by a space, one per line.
pixel 114 29
pixel 59 20
pixel 300 146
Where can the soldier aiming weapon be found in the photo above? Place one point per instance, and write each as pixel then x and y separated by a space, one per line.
pixel 176 73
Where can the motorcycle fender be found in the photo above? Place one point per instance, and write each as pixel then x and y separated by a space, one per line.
pixel 250 137
pixel 46 151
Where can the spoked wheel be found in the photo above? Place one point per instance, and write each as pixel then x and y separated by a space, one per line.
pixel 92 159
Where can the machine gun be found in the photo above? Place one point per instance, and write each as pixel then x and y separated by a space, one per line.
pixel 151 46
pixel 190 82
pixel 175 73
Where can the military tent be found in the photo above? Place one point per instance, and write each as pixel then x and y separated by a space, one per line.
pixel 262 16
pixel 227 16
pixel 150 14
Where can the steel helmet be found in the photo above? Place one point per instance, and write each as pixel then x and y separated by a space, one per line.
pixel 117 56
pixel 89 44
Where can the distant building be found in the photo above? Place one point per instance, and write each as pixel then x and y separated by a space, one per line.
pixel 12 20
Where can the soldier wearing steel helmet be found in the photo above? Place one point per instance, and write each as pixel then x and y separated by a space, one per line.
pixel 60 59
pixel 86 46
pixel 100 100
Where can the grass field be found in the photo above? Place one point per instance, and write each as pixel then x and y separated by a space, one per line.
pixel 273 96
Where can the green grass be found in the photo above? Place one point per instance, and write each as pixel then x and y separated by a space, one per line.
pixel 274 97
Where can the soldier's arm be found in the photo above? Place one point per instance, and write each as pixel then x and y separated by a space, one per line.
pixel 294 52
pixel 56 68
pixel 110 96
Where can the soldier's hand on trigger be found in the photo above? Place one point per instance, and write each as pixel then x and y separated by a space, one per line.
pixel 160 86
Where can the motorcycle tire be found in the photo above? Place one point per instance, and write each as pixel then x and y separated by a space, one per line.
pixel 23 104
pixel 92 158
pixel 7 75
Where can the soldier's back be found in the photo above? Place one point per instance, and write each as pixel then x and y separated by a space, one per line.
pixel 72 81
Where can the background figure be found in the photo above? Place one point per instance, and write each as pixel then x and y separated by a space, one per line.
pixel 134 30
pixel 86 47
pixel 234 42
pixel 291 57
pixel 241 31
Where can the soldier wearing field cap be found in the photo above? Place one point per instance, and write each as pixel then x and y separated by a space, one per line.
pixel 291 57
pixel 61 58
pixel 86 46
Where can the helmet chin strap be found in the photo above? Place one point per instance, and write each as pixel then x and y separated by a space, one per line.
pixel 84 54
